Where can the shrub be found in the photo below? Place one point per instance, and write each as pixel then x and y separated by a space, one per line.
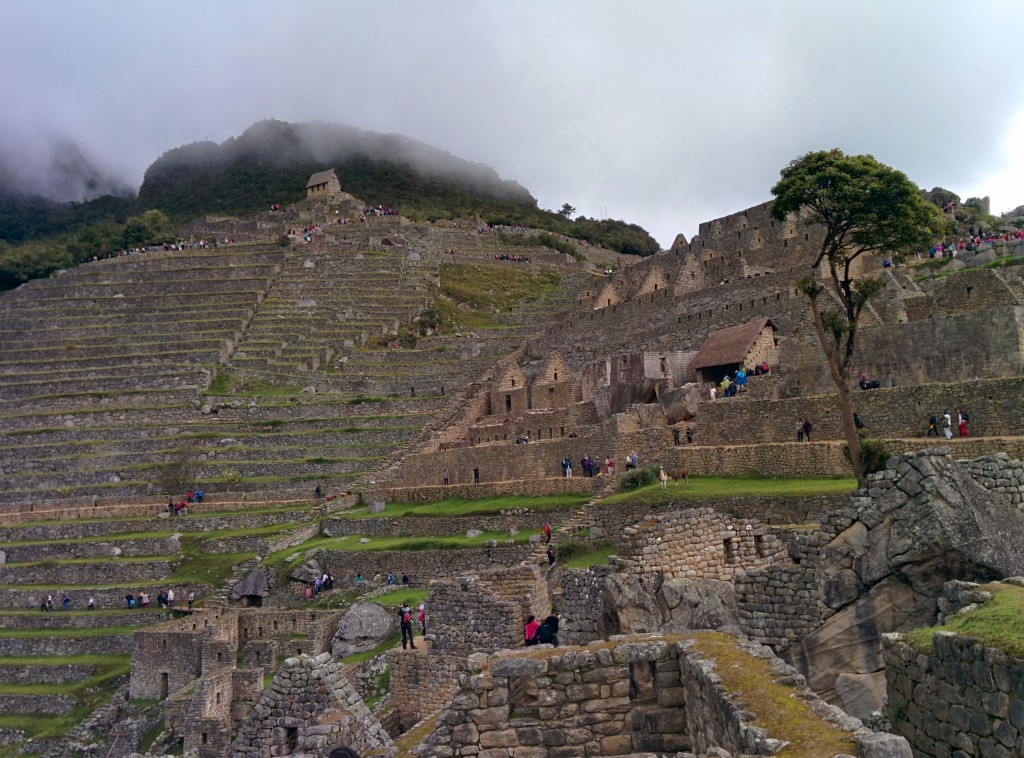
pixel 873 454
pixel 637 478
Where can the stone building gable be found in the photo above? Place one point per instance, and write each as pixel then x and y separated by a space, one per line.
pixel 732 345
pixel 510 378
pixel 309 708
pixel 554 370
pixel 607 297
pixel 551 388
pixel 656 281
pixel 323 183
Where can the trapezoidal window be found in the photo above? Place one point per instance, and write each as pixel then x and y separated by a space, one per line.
pixel 522 697
pixel 641 680
pixel 731 549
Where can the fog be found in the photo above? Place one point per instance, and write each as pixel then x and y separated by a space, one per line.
pixel 664 114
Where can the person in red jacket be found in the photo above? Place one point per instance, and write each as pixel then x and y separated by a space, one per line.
pixel 530 631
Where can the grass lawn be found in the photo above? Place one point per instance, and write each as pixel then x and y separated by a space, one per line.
pixel 709 487
pixel 996 624
pixel 596 557
pixel 460 506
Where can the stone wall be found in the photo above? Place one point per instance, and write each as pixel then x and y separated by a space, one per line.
pixel 696 544
pixel 422 681
pixel 163 662
pixel 960 698
pixel 644 694
pixel 467 617
pixel 420 565
pixel 608 521
pixel 442 526
pixel 897 412
pixel 780 604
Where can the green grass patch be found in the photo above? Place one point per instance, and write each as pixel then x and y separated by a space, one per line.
pixel 224 384
pixel 383 647
pixel 785 716
pixel 708 487
pixel 411 595
pixel 89 694
pixel 460 506
pixel 99 631
pixel 996 624
pixel 596 555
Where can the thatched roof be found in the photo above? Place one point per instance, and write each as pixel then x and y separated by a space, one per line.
pixel 731 345
pixel 321 177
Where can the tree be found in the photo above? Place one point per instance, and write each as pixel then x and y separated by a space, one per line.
pixel 566 211
pixel 862 206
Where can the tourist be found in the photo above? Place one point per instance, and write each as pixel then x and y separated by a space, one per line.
pixel 547 632
pixel 530 630
pixel 947 425
pixel 961 420
pixel 391 579
pixel 422 618
pixel 308 592
pixel 405 618
pixel 547 533
pixel 66 602
pixel 807 430
pixel 689 435
pixel 170 598
pixel 551 555
pixel 318 493
pixel 191 599
pixel 444 475
pixel 144 600
pixel 933 426
pixel 609 466
pixel 799 430
pixel 359 578
pixel 91 604
pixel 675 436
pixel 200 495
pixel 476 475
pixel 714 392
pixel 405 579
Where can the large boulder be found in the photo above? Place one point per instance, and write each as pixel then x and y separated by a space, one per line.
pixel 308 572
pixel 680 403
pixel 257 583
pixel 927 520
pixel 668 607
pixel 364 627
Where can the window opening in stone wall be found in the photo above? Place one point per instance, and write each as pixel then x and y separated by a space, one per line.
pixel 551 433
pixel 164 644
pixel 275 626
pixel 729 547
pixel 508 402
pixel 205 738
pixel 664 366
pixel 292 739
pixel 759 545
pixel 641 680
pixel 513 382
pixel 217 699
pixel 556 376
pixel 220 657
pixel 259 631
pixel 258 656
pixel 165 685
pixel 522 697
pixel 562 428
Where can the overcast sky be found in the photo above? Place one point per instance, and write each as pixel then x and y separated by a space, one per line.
pixel 662 113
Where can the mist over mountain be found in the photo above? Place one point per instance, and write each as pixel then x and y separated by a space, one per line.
pixel 58 171
pixel 314 146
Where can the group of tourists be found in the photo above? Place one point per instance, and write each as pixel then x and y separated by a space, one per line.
pixel 803 430
pixel 180 507
pixel 592 466
pixel 319 584
pixel 541 632
pixel 976 238
pixel 380 210
pixel 516 258
pixel 676 435
pixel 164 599
pixel 946 418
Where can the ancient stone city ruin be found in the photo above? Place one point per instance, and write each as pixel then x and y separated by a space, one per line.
pixel 710 618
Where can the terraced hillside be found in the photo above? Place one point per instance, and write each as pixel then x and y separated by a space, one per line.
pixel 248 368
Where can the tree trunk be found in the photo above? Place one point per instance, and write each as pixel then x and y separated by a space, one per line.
pixel 845 396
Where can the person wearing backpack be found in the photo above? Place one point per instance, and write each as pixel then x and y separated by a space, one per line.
pixel 962 419
pixel 405 618
pixel 547 632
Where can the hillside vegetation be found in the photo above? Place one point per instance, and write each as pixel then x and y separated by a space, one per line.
pixel 270 163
